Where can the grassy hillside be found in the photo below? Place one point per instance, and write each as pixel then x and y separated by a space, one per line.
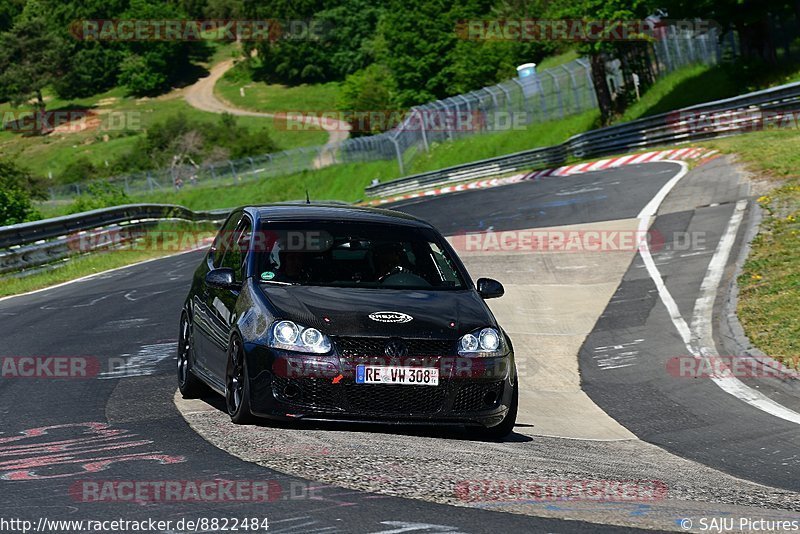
pixel 269 98
pixel 122 121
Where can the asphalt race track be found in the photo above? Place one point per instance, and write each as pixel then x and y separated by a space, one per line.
pixel 714 453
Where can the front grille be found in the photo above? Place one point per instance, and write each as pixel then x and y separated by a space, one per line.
pixel 470 397
pixel 376 346
pixel 373 399
pixel 394 399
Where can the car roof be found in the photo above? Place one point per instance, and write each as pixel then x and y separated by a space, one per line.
pixel 332 212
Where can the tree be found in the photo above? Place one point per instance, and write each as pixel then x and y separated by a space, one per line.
pixel 16 191
pixel 143 74
pixel 415 39
pixel 89 67
pixel 30 57
pixel 223 9
pixel 150 67
pixel 328 43
pixel 368 90
pixel 750 19
pixel 600 51
pixel 9 10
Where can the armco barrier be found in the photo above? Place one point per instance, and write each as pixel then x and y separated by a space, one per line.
pixel 37 243
pixel 24 233
pixel 53 250
pixel 529 159
pixel 695 123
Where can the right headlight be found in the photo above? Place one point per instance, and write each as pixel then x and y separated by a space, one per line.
pixel 485 343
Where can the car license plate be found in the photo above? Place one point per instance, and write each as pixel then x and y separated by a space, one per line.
pixel 413 376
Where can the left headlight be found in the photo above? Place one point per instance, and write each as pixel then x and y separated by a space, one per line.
pixel 288 335
pixel 484 343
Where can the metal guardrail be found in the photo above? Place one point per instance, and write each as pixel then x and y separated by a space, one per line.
pixel 48 252
pixel 24 233
pixel 528 159
pixel 695 123
pixel 38 243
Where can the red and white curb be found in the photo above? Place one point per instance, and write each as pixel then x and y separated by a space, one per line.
pixel 567 170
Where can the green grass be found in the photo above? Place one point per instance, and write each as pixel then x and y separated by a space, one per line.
pixel 223 51
pixel 770 281
pixel 270 98
pixel 557 60
pixel 485 146
pixel 685 87
pixel 774 154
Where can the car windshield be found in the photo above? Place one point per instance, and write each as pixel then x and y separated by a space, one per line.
pixel 355 255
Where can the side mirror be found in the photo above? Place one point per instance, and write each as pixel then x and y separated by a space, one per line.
pixel 489 289
pixel 222 278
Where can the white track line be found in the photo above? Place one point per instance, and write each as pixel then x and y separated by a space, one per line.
pixel 702 325
pixel 699 339
pixel 644 251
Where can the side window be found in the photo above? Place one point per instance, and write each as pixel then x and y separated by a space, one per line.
pixel 223 240
pixel 236 254
pixel 447 271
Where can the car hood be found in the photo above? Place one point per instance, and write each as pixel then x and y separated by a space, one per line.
pixel 346 311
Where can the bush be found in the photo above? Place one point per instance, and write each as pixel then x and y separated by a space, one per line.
pixel 99 195
pixel 179 136
pixel 79 170
pixel 140 77
pixel 15 195
pixel 370 89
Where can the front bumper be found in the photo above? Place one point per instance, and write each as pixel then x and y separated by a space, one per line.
pixel 291 386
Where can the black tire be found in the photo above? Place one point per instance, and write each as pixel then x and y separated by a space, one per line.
pixel 237 385
pixel 507 425
pixel 189 385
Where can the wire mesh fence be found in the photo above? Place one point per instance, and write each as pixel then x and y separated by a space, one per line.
pixel 547 95
pixel 679 48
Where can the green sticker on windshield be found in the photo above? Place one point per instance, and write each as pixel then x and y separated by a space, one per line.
pixel 267 275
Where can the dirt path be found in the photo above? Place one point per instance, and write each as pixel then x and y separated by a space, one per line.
pixel 201 95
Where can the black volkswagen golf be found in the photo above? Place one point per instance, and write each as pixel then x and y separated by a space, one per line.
pixel 325 312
